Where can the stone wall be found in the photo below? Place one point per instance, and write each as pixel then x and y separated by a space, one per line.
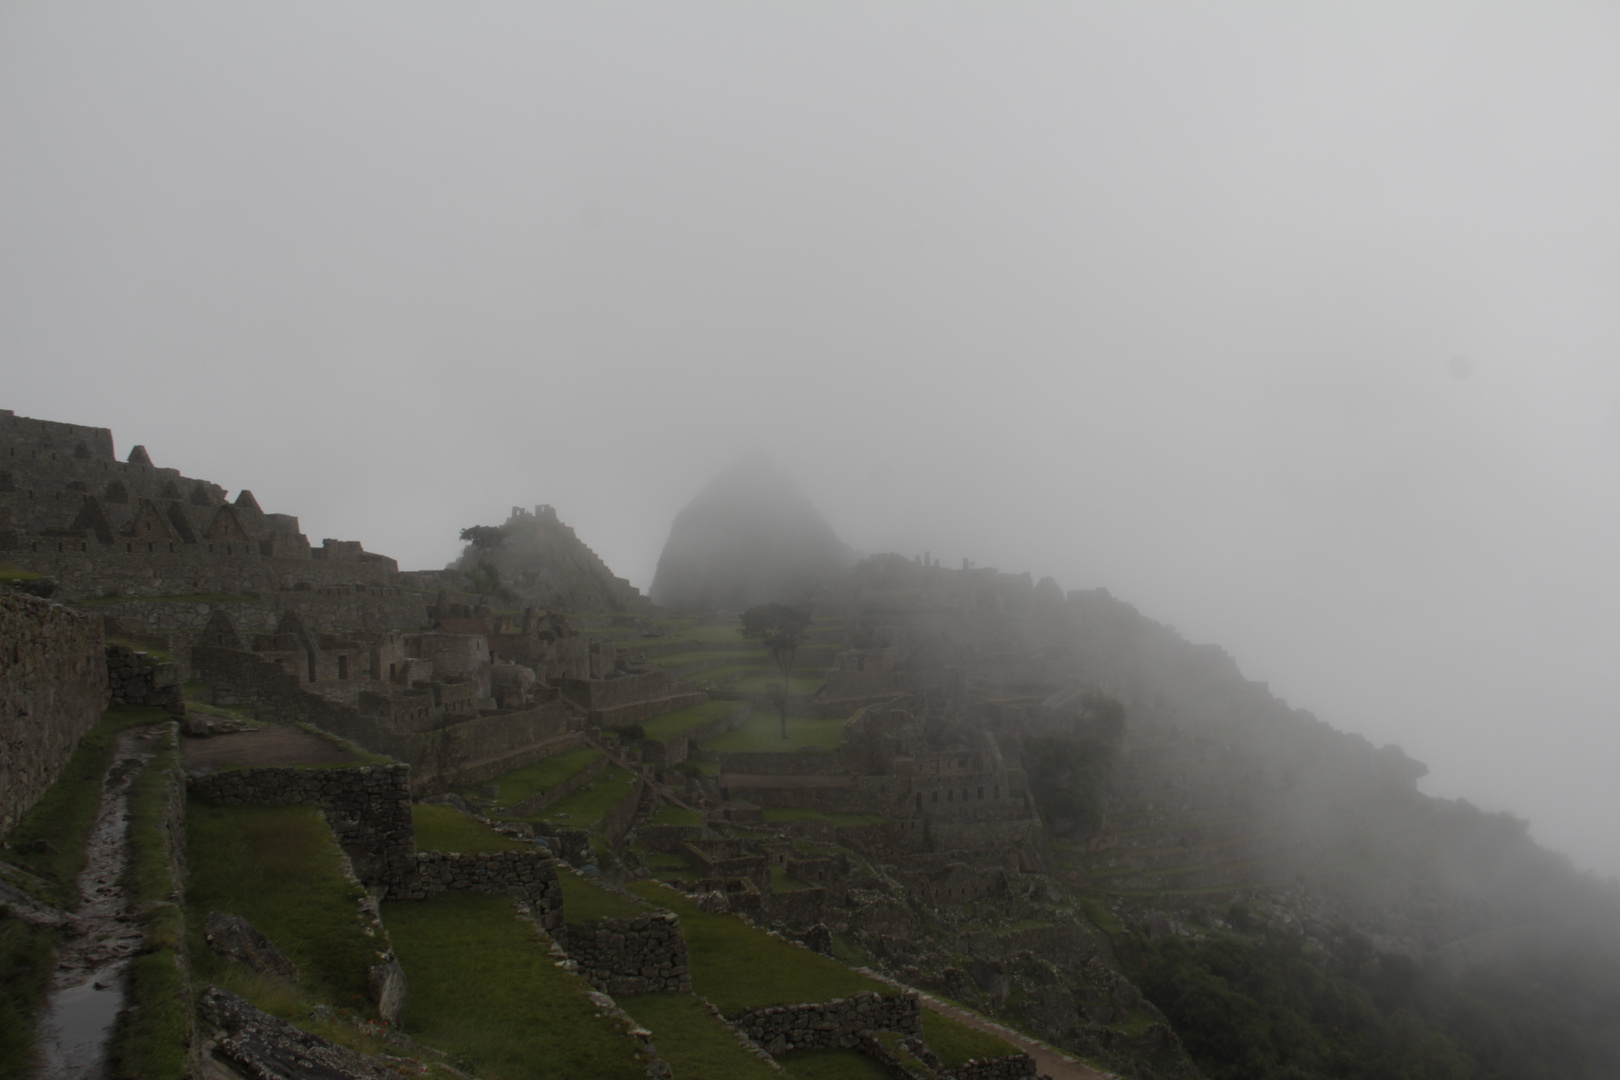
pixel 328 609
pixel 53 686
pixel 630 956
pixel 782 763
pixel 133 678
pixel 836 1023
pixel 368 806
pixel 466 752
pixel 1010 1067
pixel 531 876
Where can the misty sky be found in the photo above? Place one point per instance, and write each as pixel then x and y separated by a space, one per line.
pixel 1298 326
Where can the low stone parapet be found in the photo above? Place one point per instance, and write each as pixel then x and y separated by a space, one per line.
pixel 828 1024
pixel 531 876
pixel 630 956
pixel 1010 1067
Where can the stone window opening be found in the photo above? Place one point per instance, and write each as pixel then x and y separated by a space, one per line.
pixel 311 657
pixel 343 667
pixel 936 796
pixel 129 549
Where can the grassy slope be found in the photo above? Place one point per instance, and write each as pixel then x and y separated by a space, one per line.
pixel 585 808
pixel 484 988
pixel 152 1038
pixel 27 956
pixel 695 1044
pixel 519 784
pixel 762 731
pixel 740 967
pixel 956 1043
pixel 586 902
pixel 831 1065
pixel 442 828
pixel 278 867
pixel 679 722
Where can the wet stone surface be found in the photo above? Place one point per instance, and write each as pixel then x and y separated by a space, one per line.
pixel 87 990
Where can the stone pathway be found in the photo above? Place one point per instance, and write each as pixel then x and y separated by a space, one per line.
pixel 272 745
pixel 87 990
pixel 1048 1061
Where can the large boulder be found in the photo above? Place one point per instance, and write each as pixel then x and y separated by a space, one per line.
pixel 234 937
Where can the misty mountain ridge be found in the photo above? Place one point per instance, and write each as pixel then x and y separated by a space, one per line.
pixel 750 536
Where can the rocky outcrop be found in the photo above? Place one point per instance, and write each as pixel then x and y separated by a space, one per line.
pixel 234 937
pixel 259 1046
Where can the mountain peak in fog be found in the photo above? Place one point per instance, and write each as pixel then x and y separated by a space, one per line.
pixel 749 537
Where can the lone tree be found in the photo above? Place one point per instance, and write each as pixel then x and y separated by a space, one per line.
pixel 780 628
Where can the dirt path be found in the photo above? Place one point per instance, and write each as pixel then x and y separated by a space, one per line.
pixel 274 745
pixel 87 990
pixel 1048 1060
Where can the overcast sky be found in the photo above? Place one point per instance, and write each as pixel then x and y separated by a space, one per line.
pixel 1296 325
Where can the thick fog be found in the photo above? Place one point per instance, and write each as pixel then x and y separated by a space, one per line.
pixel 1296 326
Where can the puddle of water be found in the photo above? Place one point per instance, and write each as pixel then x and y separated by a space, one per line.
pixel 87 990
pixel 74 1037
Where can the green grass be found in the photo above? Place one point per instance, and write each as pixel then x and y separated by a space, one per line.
pixel 731 673
pixel 151 1040
pixel 751 657
pixel 27 958
pixel 693 1042
pixel 741 967
pixel 782 883
pixel 956 1043
pixel 798 685
pixel 443 828
pixel 64 816
pixel 9 572
pixel 586 902
pixel 484 989
pixel 543 775
pixel 830 1065
pixel 762 731
pixel 670 814
pixel 679 722
pixel 585 808
pixel 177 598
pixel 280 868
pixel 805 813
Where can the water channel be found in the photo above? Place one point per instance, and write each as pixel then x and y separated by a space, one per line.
pixel 87 990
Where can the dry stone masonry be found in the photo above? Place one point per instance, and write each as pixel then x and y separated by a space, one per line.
pixel 53 679
pixel 531 876
pixel 836 1023
pixel 133 678
pixel 630 956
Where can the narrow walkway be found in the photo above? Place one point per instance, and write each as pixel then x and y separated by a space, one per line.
pixel 1049 1061
pixel 87 990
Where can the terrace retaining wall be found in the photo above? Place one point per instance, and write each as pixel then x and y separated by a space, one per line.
pixel 630 956
pixel 828 1024
pixel 53 688
pixel 531 876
